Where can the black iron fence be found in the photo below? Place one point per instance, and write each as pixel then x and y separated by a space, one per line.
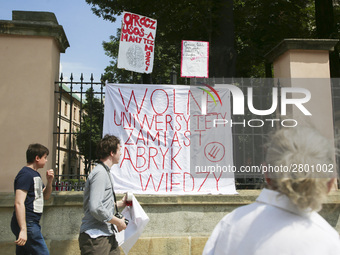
pixel 79 126
pixel 80 118
pixel 336 121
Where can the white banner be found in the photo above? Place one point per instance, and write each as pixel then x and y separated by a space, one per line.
pixel 167 140
pixel 137 43
pixel 195 59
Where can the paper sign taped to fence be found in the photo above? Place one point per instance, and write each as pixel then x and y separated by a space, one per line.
pixel 137 43
pixel 168 144
pixel 195 59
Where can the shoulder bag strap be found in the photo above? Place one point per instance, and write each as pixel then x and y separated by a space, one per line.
pixel 109 175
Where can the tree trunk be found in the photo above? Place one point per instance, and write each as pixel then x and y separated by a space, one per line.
pixel 146 78
pixel 325 27
pixel 324 18
pixel 222 52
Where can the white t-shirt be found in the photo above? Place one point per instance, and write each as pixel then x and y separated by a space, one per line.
pixel 273 225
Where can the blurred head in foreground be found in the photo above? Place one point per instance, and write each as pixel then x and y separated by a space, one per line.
pixel 284 219
pixel 306 162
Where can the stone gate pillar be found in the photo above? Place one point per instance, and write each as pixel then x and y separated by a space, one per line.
pixel 30 47
pixel 304 63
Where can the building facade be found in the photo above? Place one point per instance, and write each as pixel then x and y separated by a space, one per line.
pixel 69 161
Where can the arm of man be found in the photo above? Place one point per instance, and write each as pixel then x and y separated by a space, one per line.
pixel 120 223
pixel 48 188
pixel 20 213
pixel 122 203
pixel 97 196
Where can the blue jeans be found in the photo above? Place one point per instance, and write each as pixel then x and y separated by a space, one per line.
pixel 35 244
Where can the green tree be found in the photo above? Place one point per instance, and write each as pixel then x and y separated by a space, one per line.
pixel 262 24
pixel 252 27
pixel 91 128
pixel 177 20
pixel 161 72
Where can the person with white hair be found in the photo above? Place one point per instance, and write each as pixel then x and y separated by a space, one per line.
pixel 283 219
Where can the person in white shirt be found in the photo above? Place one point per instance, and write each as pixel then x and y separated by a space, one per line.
pixel 284 218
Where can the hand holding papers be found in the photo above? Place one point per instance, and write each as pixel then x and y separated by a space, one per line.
pixel 137 222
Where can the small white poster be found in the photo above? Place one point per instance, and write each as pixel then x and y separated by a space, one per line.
pixel 137 43
pixel 195 59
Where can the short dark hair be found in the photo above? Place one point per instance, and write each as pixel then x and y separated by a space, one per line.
pixel 106 145
pixel 34 150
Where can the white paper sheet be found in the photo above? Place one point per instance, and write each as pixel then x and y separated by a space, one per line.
pixel 137 222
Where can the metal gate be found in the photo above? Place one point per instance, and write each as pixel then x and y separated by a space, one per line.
pixel 80 118
pixel 79 126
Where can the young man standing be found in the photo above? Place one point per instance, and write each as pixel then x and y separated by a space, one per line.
pixel 30 194
pixel 97 233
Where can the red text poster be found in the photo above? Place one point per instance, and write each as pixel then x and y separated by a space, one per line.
pixel 137 43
